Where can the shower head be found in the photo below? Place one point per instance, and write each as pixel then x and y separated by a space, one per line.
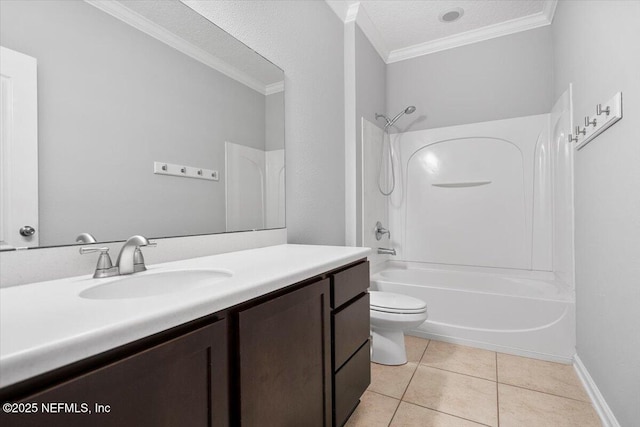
pixel 410 109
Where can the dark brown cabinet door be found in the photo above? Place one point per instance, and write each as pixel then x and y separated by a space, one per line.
pixel 183 382
pixel 285 360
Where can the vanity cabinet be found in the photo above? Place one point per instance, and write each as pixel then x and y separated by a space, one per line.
pixel 298 356
pixel 181 382
pixel 304 357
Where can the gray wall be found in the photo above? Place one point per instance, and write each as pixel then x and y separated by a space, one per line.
pixel 607 193
pixel 274 121
pixel 306 39
pixel 112 100
pixel 371 74
pixel 496 79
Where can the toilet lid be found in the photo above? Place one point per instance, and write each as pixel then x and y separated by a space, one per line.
pixel 396 303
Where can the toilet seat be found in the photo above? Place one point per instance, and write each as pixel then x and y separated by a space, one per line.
pixel 388 302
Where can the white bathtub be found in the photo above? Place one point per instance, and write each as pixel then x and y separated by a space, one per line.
pixel 511 311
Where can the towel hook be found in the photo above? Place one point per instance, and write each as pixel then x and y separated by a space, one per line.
pixel 588 122
pixel 600 110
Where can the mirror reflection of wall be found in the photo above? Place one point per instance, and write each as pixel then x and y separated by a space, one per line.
pixel 113 100
pixel 254 188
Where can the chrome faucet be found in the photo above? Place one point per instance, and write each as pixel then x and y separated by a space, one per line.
pixel 86 238
pixel 130 259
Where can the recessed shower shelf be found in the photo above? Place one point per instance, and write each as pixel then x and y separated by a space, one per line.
pixel 461 184
pixel 161 168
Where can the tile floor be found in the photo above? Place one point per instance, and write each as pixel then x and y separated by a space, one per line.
pixel 446 385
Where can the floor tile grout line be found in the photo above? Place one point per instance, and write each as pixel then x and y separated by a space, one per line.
pixel 414 371
pixel 545 392
pixel 424 351
pixel 410 379
pixel 382 394
pixel 534 359
pixel 455 372
pixel 446 413
pixel 395 411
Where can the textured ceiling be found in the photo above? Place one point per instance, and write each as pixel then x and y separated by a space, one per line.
pixel 406 23
pixel 192 27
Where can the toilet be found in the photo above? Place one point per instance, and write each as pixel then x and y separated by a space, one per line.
pixel 391 315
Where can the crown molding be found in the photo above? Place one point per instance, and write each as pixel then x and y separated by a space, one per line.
pixel 128 16
pixel 355 11
pixel 525 23
pixel 371 32
pixel 549 9
pixel 352 12
pixel 274 88
pixel 339 7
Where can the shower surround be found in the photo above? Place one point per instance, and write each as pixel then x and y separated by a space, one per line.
pixel 482 223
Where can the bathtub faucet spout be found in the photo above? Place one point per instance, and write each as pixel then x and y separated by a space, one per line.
pixel 386 251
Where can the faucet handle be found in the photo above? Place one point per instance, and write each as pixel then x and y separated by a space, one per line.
pixel 104 261
pixel 91 249
pixel 138 258
pixel 104 267
pixel 381 231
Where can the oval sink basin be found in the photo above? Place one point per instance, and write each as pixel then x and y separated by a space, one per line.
pixel 153 284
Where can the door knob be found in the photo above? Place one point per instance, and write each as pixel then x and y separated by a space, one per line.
pixel 27 231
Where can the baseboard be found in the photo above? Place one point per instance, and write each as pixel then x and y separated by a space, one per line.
pixel 600 405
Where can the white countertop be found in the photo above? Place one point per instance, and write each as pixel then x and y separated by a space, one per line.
pixel 46 325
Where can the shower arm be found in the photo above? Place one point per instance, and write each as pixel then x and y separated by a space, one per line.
pixel 382 116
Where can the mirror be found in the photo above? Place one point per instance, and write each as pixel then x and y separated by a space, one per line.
pixel 148 119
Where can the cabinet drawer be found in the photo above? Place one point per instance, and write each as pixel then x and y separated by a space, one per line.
pixel 351 326
pixel 349 283
pixel 351 382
